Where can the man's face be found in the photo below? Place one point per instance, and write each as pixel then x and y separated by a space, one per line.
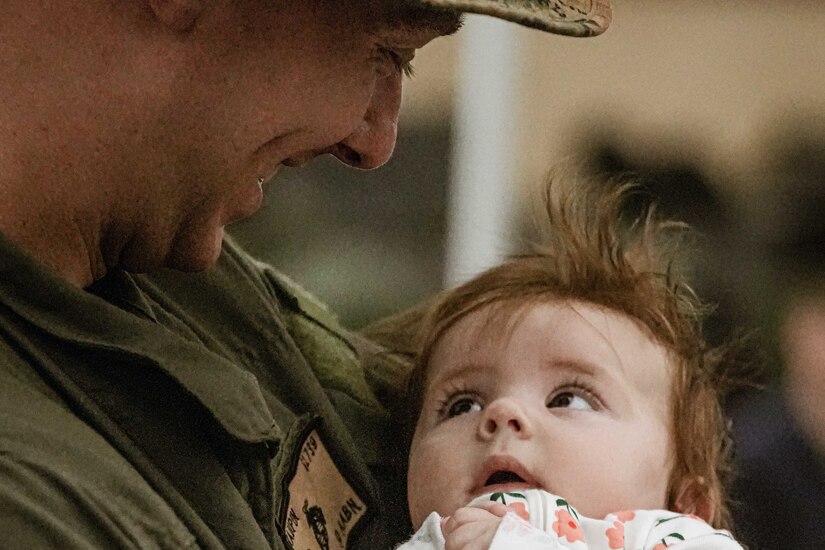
pixel 572 398
pixel 260 84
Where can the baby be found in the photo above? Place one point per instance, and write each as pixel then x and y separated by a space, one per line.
pixel 566 399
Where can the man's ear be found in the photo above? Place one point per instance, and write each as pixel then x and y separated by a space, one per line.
pixel 693 498
pixel 177 15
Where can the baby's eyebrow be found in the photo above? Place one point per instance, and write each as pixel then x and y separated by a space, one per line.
pixel 455 373
pixel 585 367
pixel 590 369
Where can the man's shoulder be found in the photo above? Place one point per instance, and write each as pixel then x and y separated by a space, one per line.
pixel 63 485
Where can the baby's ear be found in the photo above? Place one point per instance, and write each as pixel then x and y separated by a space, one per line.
pixel 178 15
pixel 693 498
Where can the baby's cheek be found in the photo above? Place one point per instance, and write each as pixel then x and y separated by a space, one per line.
pixel 435 479
pixel 418 485
pixel 416 503
pixel 426 497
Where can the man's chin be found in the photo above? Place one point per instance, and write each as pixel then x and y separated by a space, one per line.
pixel 196 255
pixel 188 252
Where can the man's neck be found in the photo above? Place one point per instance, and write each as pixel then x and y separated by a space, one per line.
pixel 53 237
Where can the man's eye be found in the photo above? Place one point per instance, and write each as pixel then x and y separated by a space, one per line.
pixel 398 62
pixel 463 405
pixel 569 400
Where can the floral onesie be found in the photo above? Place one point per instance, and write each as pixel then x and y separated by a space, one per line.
pixel 537 520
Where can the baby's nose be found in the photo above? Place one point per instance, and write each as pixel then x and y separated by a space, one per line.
pixel 504 416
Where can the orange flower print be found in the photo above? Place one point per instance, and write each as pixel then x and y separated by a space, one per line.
pixel 625 515
pixel 615 535
pixel 661 546
pixel 519 509
pixel 567 527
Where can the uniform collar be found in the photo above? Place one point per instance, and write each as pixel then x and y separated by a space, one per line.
pixel 88 321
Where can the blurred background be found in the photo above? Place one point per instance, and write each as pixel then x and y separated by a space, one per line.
pixel 717 108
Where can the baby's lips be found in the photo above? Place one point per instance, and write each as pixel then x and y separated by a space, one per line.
pixel 503 463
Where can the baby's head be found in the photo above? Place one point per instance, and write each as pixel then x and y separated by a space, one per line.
pixel 579 369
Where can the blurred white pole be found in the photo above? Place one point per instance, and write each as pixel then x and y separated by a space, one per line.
pixel 483 148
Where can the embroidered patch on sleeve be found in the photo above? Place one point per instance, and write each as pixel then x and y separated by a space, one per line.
pixel 322 507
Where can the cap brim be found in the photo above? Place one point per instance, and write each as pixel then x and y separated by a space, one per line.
pixel 568 17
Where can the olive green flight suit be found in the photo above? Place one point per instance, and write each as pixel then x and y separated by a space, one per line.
pixel 222 409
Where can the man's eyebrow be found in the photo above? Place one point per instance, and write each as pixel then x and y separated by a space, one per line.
pixel 415 18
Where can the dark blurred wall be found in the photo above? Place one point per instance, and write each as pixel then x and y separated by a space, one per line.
pixel 367 243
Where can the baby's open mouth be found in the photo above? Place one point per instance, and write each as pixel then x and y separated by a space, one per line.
pixel 503 476
pixel 503 473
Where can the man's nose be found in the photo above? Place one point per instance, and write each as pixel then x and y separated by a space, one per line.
pixel 371 144
pixel 504 415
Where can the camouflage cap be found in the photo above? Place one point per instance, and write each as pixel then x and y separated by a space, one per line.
pixel 570 17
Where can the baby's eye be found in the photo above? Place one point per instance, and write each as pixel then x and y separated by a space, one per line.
pixel 463 405
pixel 569 400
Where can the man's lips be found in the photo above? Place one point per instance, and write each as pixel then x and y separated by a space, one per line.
pixel 295 162
pixel 501 473
pixel 300 159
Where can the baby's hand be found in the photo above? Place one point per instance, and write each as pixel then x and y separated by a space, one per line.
pixel 472 527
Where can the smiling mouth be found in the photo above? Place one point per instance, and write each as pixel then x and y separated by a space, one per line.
pixel 294 162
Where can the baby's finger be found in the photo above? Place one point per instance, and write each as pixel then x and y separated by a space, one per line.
pixel 463 516
pixel 472 535
pixel 493 506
